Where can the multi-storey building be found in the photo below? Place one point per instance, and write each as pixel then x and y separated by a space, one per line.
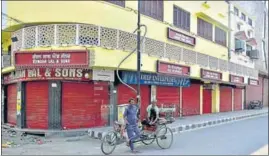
pixel 254 23
pixel 64 57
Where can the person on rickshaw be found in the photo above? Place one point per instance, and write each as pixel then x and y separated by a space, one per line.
pixel 152 114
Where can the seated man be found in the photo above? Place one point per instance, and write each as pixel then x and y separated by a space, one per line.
pixel 153 114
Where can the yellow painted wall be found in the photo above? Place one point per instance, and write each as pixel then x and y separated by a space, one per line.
pixel 112 16
pixel 216 99
pixel 201 99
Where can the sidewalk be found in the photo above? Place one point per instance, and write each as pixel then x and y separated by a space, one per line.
pixel 194 122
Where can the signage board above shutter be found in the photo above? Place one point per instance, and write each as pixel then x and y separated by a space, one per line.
pixel 212 75
pixel 171 68
pixel 180 37
pixel 103 75
pixel 66 59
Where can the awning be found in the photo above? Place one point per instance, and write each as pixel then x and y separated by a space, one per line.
pixel 252 42
pixel 241 35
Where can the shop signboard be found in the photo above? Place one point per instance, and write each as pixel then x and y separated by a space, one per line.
pixel 52 59
pixel 236 79
pixel 155 79
pixel 180 37
pixel 48 74
pixel 171 68
pixel 253 82
pixel 212 75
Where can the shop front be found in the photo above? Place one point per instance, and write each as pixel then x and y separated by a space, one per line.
pixel 162 87
pixel 238 92
pixel 211 91
pixel 254 90
pixel 56 90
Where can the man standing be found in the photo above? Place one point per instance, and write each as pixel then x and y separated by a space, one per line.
pixel 131 120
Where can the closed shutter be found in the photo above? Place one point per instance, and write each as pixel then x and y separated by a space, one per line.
pixel 237 99
pixel 168 96
pixel 84 105
pixel 11 103
pixel 207 101
pixel 255 92
pixel 191 100
pixel 37 99
pixel 225 99
pixel 125 93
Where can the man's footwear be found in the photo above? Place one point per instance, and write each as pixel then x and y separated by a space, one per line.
pixel 135 151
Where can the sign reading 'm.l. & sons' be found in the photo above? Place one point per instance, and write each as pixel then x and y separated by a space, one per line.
pixel 48 74
pixel 212 75
pixel 155 79
pixel 65 58
pixel 173 69
pixel 178 36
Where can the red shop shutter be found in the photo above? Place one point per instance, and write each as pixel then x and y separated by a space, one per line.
pixel 237 99
pixel 11 103
pixel 225 99
pixel 37 99
pixel 191 100
pixel 254 92
pixel 168 96
pixel 125 93
pixel 84 105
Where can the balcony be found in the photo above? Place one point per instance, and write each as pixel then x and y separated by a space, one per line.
pixel 87 35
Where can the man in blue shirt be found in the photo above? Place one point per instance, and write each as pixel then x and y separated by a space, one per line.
pixel 131 120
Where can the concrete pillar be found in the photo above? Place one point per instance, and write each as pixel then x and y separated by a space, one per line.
pixel 113 115
pixel 232 99
pixel 216 99
pixel 55 105
pixel 201 99
pixel 21 114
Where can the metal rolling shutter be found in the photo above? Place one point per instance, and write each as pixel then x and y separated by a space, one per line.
pixel 225 99
pixel 237 99
pixel 37 99
pixel 191 100
pixel 11 103
pixel 168 96
pixel 125 93
pixel 255 92
pixel 82 105
pixel 207 101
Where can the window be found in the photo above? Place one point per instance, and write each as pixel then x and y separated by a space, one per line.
pixel 153 9
pixel 250 34
pixel 236 11
pixel 238 26
pixel 249 48
pixel 220 36
pixel 249 21
pixel 120 3
pixel 243 16
pixel 204 29
pixel 239 45
pixel 181 18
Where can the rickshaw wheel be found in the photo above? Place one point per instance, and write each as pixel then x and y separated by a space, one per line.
pixel 147 141
pixel 109 143
pixel 164 138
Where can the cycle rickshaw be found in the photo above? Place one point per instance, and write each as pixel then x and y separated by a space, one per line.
pixel 159 132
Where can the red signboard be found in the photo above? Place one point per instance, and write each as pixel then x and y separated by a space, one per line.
pixel 253 82
pixel 48 74
pixel 174 69
pixel 207 74
pixel 178 36
pixel 66 59
pixel 236 79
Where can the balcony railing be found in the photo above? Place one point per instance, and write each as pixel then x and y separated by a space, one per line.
pixel 93 35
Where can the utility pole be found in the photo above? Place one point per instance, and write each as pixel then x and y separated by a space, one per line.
pixel 138 58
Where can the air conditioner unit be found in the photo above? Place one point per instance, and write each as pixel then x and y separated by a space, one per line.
pixel 253 54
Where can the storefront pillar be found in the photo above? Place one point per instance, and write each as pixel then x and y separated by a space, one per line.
pixel 216 99
pixel 201 99
pixel 113 104
pixel 21 114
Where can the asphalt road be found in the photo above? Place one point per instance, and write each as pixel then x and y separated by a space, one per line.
pixel 238 138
